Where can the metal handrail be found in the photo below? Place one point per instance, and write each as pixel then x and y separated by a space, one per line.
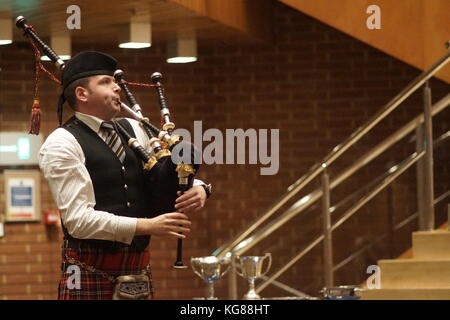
pixel 290 263
pixel 337 152
pixel 307 200
pixel 287 288
pixel 436 144
pixel 396 171
pixel 379 238
pixel 385 180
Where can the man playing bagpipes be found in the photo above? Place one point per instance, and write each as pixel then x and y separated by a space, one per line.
pixel 102 192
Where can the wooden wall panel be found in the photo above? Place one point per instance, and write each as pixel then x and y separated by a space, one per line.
pixel 413 31
pixel 251 17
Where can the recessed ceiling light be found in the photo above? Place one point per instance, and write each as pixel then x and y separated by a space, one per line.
pixel 6 31
pixel 61 44
pixel 183 49
pixel 137 34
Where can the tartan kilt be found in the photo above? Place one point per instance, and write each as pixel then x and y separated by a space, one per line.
pixel 93 285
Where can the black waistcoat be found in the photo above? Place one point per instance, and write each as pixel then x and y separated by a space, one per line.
pixel 119 188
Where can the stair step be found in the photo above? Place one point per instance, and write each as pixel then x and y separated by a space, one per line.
pixel 431 245
pixel 406 294
pixel 414 273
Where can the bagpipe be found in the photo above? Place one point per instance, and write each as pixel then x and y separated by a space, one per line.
pixel 162 168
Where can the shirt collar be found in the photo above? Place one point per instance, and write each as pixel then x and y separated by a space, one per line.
pixel 92 122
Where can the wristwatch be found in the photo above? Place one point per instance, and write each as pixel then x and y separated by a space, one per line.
pixel 208 189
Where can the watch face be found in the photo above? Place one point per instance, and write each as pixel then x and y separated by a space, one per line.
pixel 207 189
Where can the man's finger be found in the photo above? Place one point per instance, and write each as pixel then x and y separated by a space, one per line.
pixel 178 235
pixel 184 222
pixel 181 229
pixel 184 197
pixel 186 203
pixel 191 207
pixel 177 215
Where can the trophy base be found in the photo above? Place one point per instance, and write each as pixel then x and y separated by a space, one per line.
pixel 252 296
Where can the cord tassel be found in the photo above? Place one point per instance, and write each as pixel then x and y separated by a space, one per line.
pixel 35 124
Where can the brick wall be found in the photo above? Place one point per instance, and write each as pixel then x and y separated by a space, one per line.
pixel 313 83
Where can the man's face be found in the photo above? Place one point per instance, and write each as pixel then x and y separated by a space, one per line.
pixel 103 96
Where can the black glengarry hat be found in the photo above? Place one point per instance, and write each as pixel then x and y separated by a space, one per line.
pixel 84 64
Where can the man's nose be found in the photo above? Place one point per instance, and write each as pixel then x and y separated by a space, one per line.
pixel 116 88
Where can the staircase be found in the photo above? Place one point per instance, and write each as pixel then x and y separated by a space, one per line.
pixel 424 276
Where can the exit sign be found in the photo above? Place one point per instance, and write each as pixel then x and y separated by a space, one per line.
pixel 18 148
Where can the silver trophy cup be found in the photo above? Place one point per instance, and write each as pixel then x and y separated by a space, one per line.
pixel 209 269
pixel 251 269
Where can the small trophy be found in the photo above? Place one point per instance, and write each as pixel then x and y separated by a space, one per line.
pixel 208 268
pixel 251 269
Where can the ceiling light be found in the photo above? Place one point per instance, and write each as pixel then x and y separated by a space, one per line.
pixel 134 45
pixel 181 59
pixel 6 32
pixel 183 49
pixel 62 46
pixel 137 34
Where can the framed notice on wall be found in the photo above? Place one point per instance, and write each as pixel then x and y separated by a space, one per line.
pixel 23 196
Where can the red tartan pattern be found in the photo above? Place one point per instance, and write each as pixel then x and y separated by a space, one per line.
pixel 94 286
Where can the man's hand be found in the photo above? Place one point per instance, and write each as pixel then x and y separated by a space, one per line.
pixel 168 224
pixel 191 201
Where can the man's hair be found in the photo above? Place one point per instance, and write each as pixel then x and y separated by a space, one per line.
pixel 69 92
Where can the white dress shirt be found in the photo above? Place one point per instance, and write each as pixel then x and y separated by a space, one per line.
pixel 62 162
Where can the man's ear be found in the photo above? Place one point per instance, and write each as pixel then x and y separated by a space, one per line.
pixel 81 94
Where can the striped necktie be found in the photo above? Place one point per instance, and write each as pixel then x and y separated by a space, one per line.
pixel 113 140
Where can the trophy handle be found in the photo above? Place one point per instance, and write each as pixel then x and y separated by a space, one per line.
pixel 268 255
pixel 237 264
pixel 195 270
pixel 226 270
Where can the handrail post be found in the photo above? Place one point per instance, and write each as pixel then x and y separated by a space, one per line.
pixel 428 164
pixel 338 151
pixel 420 171
pixel 232 280
pixel 327 241
pixel 448 213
